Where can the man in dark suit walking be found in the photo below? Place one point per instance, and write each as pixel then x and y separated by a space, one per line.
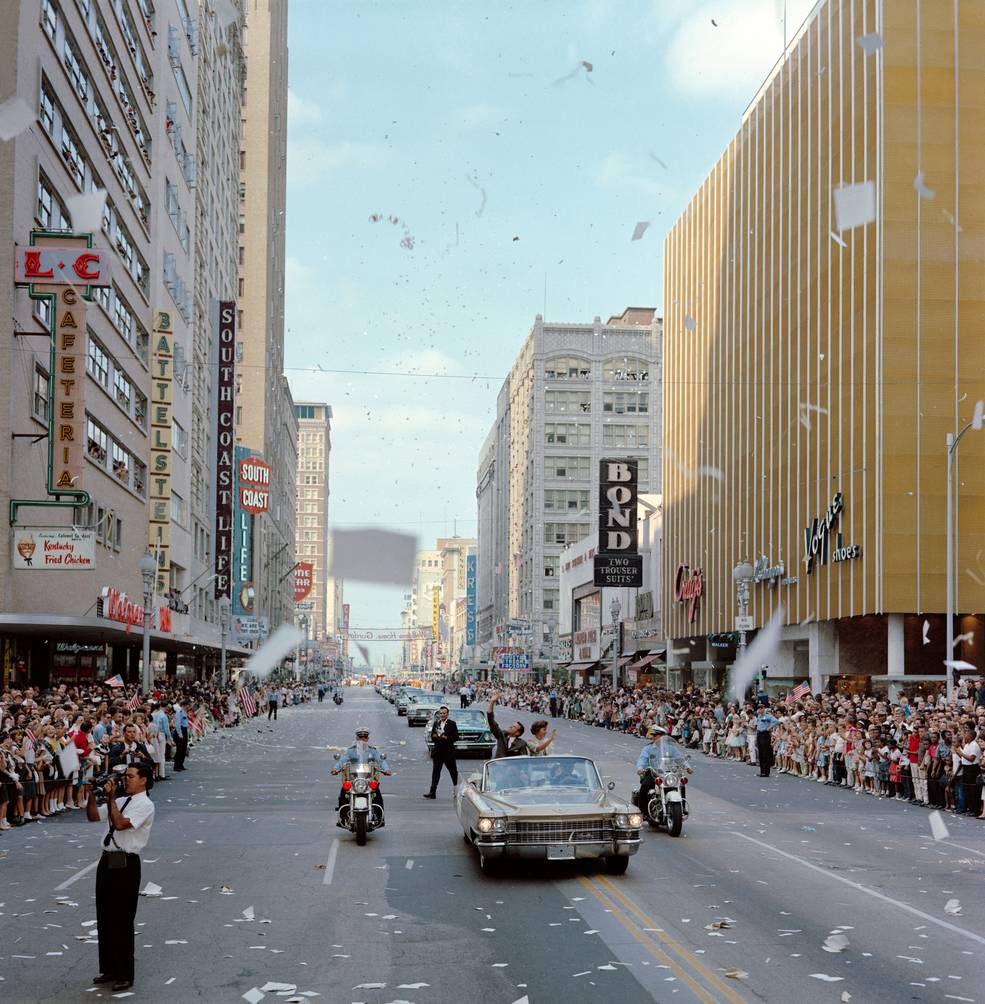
pixel 444 735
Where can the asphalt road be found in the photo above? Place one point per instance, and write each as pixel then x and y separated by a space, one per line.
pixel 409 917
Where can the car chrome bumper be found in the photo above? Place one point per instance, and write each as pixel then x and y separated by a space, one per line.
pixel 621 847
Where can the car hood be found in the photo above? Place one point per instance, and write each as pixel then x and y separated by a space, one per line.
pixel 538 802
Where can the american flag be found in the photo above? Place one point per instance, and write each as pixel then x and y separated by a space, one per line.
pixel 801 690
pixel 31 736
pixel 249 704
pixel 198 726
pixel 115 681
pixel 134 702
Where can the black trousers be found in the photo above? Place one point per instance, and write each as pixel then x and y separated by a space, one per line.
pixel 553 707
pixel 439 760
pixel 271 710
pixel 463 700
pixel 764 753
pixel 116 907
pixel 180 748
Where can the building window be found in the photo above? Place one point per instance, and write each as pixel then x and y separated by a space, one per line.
pixel 183 89
pixel 42 311
pixel 42 390
pixel 568 401
pixel 97 442
pixel 551 599
pixel 577 468
pixel 140 478
pixel 179 440
pixel 567 368
pixel 97 362
pixel 49 19
pixel 551 565
pixel 45 201
pixel 565 500
pixel 46 109
pixel 72 155
pixel 567 434
pixel 74 68
pixel 140 409
pixel 626 436
pixel 565 533
pixel 625 368
pixel 123 390
pixel 122 317
pixel 121 463
pixel 626 403
pixel 177 509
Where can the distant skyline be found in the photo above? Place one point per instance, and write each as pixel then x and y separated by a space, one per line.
pixel 516 176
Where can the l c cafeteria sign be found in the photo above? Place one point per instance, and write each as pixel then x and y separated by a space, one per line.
pixel 617 562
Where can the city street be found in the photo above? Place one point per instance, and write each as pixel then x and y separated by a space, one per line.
pixel 778 864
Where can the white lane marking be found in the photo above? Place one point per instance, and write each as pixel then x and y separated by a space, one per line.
pixel 330 864
pixel 76 877
pixel 410 864
pixel 862 888
pixel 978 853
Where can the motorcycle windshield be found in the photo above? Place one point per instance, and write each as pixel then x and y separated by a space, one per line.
pixel 669 757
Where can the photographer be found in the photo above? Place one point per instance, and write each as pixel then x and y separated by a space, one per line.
pixel 131 750
pixel 444 735
pixel 118 873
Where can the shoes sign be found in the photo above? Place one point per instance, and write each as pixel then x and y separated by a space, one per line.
pixel 817 535
pixel 617 562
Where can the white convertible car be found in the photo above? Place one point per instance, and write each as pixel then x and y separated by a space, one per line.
pixel 554 808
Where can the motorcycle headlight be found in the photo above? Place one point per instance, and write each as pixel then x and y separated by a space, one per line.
pixel 485 825
pixel 635 820
pixel 360 786
pixel 670 779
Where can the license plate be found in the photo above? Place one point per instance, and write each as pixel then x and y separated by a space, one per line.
pixel 560 852
pixel 362 802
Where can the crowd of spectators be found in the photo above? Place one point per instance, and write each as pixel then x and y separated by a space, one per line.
pixel 926 751
pixel 54 742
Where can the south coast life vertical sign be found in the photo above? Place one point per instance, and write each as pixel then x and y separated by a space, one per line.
pixel 225 464
pixel 159 487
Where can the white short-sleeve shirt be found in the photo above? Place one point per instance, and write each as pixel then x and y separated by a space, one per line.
pixel 140 812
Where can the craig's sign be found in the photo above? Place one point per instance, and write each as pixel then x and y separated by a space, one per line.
pixel 817 535
pixel 117 606
pixel 689 587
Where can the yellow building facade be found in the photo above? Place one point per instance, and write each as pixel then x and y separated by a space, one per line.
pixel 813 373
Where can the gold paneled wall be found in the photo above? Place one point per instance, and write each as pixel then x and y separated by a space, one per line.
pixel 801 361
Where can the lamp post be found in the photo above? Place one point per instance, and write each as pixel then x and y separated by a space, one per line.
pixel 224 605
pixel 615 608
pixel 742 576
pixel 952 442
pixel 148 569
pixel 302 623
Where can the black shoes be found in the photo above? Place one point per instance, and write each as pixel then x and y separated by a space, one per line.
pixel 122 985
pixel 430 794
pixel 102 978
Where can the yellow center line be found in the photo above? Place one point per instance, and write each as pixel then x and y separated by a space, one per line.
pixel 648 943
pixel 686 954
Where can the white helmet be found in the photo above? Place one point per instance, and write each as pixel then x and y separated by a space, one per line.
pixel 654 731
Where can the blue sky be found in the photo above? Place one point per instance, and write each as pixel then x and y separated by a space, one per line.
pixel 474 123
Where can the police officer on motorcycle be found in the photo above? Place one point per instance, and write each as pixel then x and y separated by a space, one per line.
pixel 361 752
pixel 653 759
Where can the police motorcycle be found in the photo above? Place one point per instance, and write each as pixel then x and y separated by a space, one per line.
pixel 361 812
pixel 337 697
pixel 663 784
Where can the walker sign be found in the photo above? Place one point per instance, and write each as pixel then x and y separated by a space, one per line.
pixel 616 562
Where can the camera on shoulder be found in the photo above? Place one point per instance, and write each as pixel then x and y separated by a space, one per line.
pixel 99 783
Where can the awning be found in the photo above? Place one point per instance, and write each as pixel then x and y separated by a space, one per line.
pixel 625 659
pixel 581 667
pixel 647 660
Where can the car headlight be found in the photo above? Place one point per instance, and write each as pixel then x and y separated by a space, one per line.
pixel 635 820
pixel 670 779
pixel 485 825
pixel 499 825
pixel 622 822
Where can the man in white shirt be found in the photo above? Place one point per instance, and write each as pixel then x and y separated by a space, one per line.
pixel 118 873
pixel 969 752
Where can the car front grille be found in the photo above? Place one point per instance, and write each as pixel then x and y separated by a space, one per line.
pixel 555 831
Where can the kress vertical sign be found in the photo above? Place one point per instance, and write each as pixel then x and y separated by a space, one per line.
pixel 471 564
pixel 617 562
pixel 225 453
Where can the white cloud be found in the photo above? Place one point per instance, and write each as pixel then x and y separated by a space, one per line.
pixel 703 59
pixel 301 112
pixel 309 159
pixel 478 115
pixel 617 172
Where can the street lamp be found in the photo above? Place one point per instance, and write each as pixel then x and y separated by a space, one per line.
pixel 615 608
pixel 302 623
pixel 742 576
pixel 224 605
pixel 952 442
pixel 148 570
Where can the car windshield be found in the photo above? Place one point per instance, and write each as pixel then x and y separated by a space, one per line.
pixel 470 718
pixel 542 772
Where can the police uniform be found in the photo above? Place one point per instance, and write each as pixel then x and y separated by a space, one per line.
pixel 372 755
pixel 118 884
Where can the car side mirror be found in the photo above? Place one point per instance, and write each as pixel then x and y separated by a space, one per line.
pixel 475 779
pixel 611 785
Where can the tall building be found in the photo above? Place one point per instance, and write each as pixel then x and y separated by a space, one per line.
pixel 576 393
pixel 314 448
pixel 221 74
pixel 419 652
pixel 265 419
pixel 826 363
pixel 115 91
